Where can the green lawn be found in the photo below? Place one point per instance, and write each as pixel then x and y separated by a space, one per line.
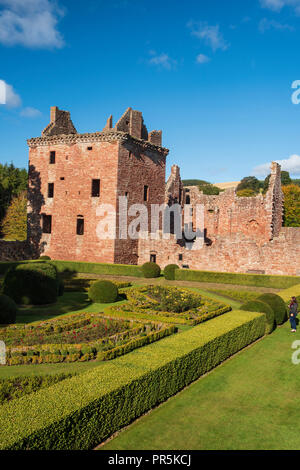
pixel 249 402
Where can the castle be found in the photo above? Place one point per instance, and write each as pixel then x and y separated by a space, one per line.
pixel 71 174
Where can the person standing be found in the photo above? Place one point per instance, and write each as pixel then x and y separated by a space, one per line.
pixel 293 311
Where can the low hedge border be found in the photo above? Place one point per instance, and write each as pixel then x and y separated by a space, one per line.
pixel 259 280
pixel 165 317
pixel 239 295
pixel 98 268
pixel 80 412
pixel 83 284
pixel 287 294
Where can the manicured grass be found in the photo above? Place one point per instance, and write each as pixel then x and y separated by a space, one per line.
pixel 250 402
pixel 70 302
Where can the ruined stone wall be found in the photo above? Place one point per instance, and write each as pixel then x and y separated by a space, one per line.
pixel 235 253
pixel 138 168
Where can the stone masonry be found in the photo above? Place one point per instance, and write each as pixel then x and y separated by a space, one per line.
pixel 73 175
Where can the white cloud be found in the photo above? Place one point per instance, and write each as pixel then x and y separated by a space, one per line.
pixel 291 164
pixel 162 60
pixel 211 35
pixel 265 25
pixel 202 59
pixel 278 5
pixel 9 97
pixel 30 112
pixel 30 23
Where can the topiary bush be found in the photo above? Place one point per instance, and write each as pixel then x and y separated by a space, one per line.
pixel 45 258
pixel 60 287
pixel 169 271
pixel 278 306
pixel 261 307
pixel 8 310
pixel 150 270
pixel 31 283
pixel 103 292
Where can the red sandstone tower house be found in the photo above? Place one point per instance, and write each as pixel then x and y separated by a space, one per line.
pixel 71 174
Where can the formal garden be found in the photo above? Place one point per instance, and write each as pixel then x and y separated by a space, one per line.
pixel 92 347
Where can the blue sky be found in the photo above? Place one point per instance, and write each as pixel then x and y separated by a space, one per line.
pixel 216 76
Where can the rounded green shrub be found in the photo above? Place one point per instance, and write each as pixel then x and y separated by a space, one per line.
pixel 150 270
pixel 261 307
pixel 31 283
pixel 60 287
pixel 169 271
pixel 8 310
pixel 278 306
pixel 103 292
pixel 45 258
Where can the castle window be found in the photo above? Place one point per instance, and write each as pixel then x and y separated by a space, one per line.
pixel 146 193
pixel 50 189
pixel 180 257
pixel 153 258
pixel 187 200
pixel 80 225
pixel 126 195
pixel 90 148
pixel 95 188
pixel 46 223
pixel 62 178
pixel 180 196
pixel 52 158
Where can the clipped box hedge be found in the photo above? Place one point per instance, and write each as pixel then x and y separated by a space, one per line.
pixel 98 268
pixel 287 294
pixel 259 280
pixel 80 412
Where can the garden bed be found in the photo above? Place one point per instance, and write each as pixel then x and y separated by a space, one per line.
pixel 168 304
pixel 78 337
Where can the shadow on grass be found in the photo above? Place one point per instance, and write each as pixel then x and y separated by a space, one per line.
pixel 69 302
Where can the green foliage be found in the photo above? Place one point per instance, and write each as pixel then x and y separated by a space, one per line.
pixel 249 182
pixel 194 182
pixel 96 268
pixel 259 280
pixel 45 258
pixel 76 413
pixel 240 295
pixel 291 205
pixel 287 294
pixel 150 270
pixel 14 224
pixel 78 337
pixel 169 271
pixel 246 193
pixel 13 181
pixel 285 180
pixel 8 311
pixel 209 189
pixel 168 304
pixel 103 292
pixel 278 306
pixel 17 387
pixel 60 287
pixel 31 283
pixel 83 284
pixel 261 307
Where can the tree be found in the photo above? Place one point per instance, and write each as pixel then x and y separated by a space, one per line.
pixel 291 205
pixel 14 225
pixel 249 182
pixel 12 182
pixel 209 189
pixel 285 180
pixel 246 193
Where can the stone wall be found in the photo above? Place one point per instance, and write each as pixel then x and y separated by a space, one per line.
pixel 235 253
